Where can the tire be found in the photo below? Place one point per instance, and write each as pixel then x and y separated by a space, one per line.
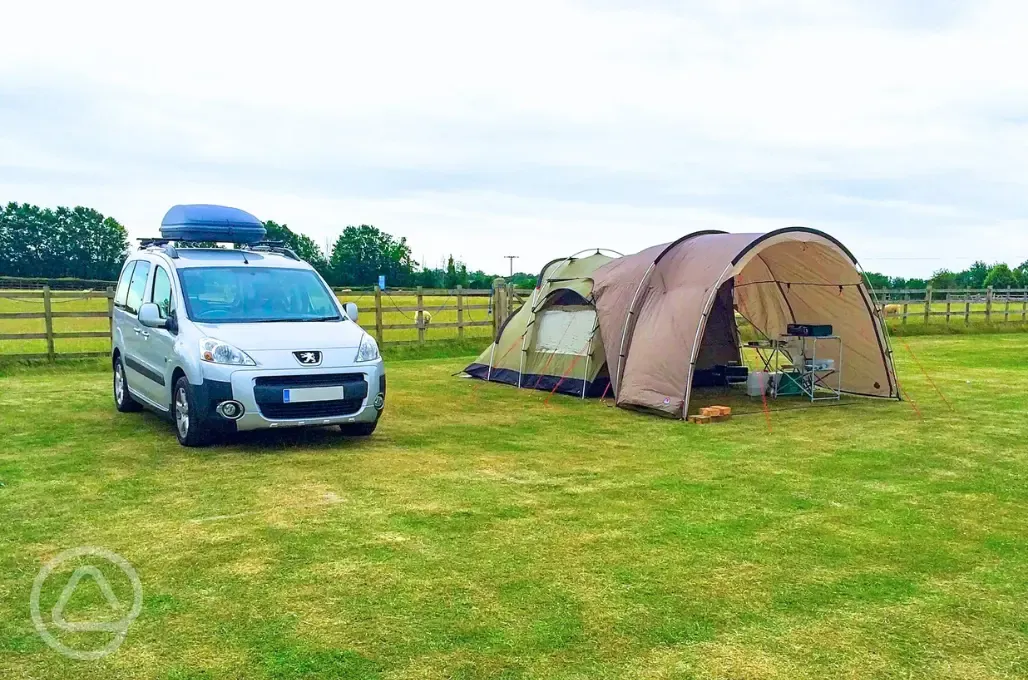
pixel 358 429
pixel 123 401
pixel 191 427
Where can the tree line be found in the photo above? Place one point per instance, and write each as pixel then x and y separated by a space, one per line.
pixel 82 243
pixel 978 275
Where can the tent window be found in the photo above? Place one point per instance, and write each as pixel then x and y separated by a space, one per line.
pixel 566 297
pixel 565 331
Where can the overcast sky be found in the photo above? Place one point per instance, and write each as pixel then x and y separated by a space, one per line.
pixel 535 128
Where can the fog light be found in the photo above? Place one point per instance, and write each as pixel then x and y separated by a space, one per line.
pixel 380 401
pixel 232 410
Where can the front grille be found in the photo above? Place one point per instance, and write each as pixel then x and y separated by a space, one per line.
pixel 311 409
pixel 267 392
pixel 312 380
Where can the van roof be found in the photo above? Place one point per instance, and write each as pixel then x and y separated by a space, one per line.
pixel 224 257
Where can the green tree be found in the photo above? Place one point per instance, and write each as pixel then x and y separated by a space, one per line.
pixel 361 254
pixel 67 242
pixel 456 274
pixel 944 278
pixel 301 244
pixel 523 280
pixel 974 276
pixel 479 280
pixel 876 280
pixel 1000 276
pixel 430 278
pixel 1021 271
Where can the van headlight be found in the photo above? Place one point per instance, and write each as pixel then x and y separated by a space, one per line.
pixel 368 350
pixel 218 352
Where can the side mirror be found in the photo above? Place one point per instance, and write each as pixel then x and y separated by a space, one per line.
pixel 150 316
pixel 351 311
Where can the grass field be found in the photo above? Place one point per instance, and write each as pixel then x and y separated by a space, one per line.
pixel 484 533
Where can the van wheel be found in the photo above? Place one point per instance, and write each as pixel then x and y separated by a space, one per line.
pixel 123 401
pixel 190 427
pixel 358 429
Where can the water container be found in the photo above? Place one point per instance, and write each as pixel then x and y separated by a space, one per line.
pixel 757 383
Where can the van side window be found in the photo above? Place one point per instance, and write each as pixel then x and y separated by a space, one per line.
pixel 137 287
pixel 123 285
pixel 160 294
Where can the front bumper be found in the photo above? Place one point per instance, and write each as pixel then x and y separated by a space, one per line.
pixel 241 383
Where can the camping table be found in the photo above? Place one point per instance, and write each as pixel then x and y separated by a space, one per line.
pixel 808 377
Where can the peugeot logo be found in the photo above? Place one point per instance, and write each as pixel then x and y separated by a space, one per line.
pixel 309 358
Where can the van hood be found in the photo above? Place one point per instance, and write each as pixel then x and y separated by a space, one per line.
pixel 288 335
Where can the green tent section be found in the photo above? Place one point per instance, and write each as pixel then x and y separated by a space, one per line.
pixel 553 341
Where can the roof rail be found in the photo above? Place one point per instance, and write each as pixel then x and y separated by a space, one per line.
pixel 273 247
pixel 162 243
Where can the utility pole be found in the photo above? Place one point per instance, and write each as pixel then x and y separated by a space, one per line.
pixel 511 258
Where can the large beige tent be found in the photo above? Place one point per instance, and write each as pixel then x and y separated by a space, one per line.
pixel 667 311
pixel 664 316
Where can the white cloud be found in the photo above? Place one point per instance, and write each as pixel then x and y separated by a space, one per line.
pixel 467 126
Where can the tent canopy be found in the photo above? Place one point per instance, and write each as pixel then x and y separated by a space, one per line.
pixel 668 310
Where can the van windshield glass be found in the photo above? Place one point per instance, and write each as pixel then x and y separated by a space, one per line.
pixel 255 295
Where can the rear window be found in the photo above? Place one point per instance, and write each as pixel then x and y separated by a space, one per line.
pixel 137 286
pixel 123 285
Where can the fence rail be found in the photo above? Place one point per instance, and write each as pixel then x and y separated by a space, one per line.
pixel 460 307
pixel 965 305
pixel 460 310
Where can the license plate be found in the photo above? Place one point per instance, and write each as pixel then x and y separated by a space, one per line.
pixel 302 394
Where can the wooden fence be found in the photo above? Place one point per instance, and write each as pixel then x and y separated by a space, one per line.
pixel 959 305
pixel 48 298
pixel 899 307
pixel 490 306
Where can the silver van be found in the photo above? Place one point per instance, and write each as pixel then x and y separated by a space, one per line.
pixel 225 340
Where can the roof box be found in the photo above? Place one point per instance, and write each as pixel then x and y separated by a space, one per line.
pixel 211 223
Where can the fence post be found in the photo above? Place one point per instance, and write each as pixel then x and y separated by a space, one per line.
pixel 378 316
pixel 1006 307
pixel 948 306
pixel 927 305
pixel 1024 304
pixel 988 305
pixel 110 310
pixel 967 306
pixel 460 313
pixel 421 316
pixel 499 305
pixel 49 321
pixel 510 299
pixel 906 307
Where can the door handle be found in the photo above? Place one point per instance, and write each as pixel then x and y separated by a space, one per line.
pixel 137 331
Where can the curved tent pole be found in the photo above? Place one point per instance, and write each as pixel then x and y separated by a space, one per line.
pixel 589 250
pixel 700 327
pixel 524 338
pixel 881 330
pixel 624 332
pixel 622 349
pixel 785 230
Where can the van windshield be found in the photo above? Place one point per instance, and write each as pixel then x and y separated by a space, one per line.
pixel 255 295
